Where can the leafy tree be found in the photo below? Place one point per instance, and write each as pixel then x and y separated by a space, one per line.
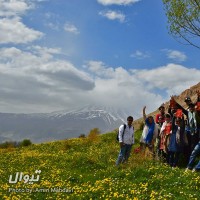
pixel 25 143
pixel 184 20
pixel 93 134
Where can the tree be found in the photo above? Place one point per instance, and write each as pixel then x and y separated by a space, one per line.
pixel 93 134
pixel 184 20
pixel 25 143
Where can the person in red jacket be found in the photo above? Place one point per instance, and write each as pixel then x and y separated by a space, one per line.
pixel 160 117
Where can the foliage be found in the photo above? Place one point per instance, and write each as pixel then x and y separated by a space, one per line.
pixel 82 136
pixel 9 144
pixel 15 144
pixel 25 143
pixel 86 170
pixel 184 20
pixel 93 135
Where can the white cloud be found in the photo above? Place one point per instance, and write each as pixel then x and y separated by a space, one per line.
pixel 117 2
pixel 71 28
pixel 100 69
pixel 173 78
pixel 113 15
pixel 14 7
pixel 140 55
pixel 14 31
pixel 136 88
pixel 176 55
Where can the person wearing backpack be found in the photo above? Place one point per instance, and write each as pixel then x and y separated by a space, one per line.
pixel 126 140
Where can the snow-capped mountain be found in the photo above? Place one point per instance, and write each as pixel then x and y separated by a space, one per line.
pixel 59 125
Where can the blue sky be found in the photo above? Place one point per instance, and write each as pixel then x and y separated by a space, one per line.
pixel 61 54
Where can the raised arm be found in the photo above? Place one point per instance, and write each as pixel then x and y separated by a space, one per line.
pixel 144 113
pixel 178 106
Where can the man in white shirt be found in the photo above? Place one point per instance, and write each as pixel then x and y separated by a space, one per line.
pixel 126 140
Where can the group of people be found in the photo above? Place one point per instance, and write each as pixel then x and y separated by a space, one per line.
pixel 169 135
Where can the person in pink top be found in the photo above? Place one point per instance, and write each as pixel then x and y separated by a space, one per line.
pixel 165 131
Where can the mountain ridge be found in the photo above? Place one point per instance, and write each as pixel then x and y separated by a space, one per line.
pixel 58 125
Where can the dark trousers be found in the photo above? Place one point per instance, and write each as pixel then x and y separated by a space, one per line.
pixel 173 158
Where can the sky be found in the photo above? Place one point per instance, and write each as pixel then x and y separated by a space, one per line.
pixel 60 54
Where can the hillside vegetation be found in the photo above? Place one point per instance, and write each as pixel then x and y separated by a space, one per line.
pixel 84 168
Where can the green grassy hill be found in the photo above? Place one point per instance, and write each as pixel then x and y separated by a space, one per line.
pixel 85 169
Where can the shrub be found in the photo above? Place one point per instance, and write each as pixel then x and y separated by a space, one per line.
pixel 82 136
pixel 93 135
pixel 25 143
pixel 9 144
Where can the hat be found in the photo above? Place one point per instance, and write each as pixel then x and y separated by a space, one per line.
pixel 187 99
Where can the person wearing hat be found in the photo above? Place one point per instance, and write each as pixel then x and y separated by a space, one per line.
pixel 188 101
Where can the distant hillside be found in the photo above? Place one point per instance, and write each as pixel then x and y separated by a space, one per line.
pixel 191 92
pixel 41 127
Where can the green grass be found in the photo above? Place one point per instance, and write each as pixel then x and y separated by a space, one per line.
pixel 87 168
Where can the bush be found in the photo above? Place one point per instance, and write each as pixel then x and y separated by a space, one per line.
pixel 82 136
pixel 25 143
pixel 9 144
pixel 93 135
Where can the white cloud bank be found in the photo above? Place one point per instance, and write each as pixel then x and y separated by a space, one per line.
pixel 14 7
pixel 12 29
pixel 33 81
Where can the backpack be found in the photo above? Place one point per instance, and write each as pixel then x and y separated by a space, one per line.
pixel 117 138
